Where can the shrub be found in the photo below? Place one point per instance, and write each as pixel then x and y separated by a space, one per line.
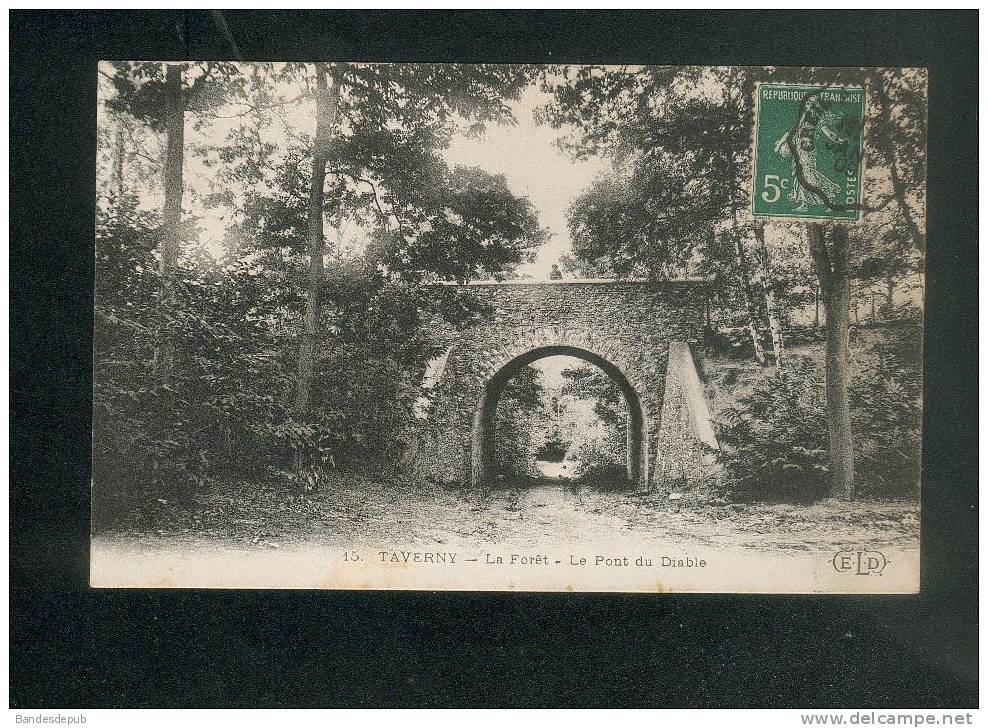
pixel 887 413
pixel 515 446
pixel 600 452
pixel 520 424
pixel 553 451
pixel 773 444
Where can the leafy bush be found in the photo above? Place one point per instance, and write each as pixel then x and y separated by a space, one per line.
pixel 224 409
pixel 887 414
pixel 520 424
pixel 773 444
pixel 602 456
pixel 514 454
pixel 552 451
pixel 797 334
pixel 730 342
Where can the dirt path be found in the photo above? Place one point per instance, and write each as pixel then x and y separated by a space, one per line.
pixel 395 514
pixel 544 512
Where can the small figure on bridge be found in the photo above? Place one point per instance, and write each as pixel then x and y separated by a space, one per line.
pixel 555 274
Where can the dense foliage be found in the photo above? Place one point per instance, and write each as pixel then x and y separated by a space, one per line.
pixel 202 291
pixel 887 410
pixel 237 290
pixel 678 203
pixel 773 441
pixel 581 421
pixel 520 424
pixel 600 447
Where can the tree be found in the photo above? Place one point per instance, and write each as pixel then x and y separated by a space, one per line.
pixel 886 260
pixel 393 217
pixel 832 254
pixel 586 381
pixel 771 309
pixel 327 110
pixel 684 134
pixel 520 425
pixel 899 128
pixel 616 231
pixel 159 95
pixel 383 153
pixel 831 259
pixel 600 441
pixel 171 217
pixel 678 137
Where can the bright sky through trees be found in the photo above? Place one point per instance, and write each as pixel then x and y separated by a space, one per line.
pixel 535 167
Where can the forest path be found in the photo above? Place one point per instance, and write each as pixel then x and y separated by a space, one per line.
pixel 547 511
pixel 365 510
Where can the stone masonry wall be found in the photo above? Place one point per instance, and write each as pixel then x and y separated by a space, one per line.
pixel 628 323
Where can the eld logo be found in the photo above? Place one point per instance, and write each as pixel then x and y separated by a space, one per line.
pixel 860 563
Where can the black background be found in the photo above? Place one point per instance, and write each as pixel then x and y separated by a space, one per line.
pixel 73 647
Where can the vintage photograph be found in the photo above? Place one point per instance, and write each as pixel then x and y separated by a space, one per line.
pixel 508 327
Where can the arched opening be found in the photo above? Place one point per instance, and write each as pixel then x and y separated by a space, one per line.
pixel 483 435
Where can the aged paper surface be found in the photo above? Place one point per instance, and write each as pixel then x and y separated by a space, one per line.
pixel 493 327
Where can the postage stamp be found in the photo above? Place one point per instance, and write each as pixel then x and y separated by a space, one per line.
pixel 808 151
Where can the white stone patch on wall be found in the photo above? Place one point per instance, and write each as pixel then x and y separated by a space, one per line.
pixel 681 358
pixel 433 375
pixel 686 435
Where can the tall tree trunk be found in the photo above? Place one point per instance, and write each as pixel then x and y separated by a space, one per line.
pixel 118 164
pixel 327 108
pixel 733 192
pixel 831 263
pixel 171 218
pixel 889 297
pixel 749 306
pixel 774 324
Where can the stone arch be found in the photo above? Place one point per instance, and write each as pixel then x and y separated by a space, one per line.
pixel 482 432
pixel 638 331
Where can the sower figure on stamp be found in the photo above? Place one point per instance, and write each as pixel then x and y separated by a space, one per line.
pixel 814 118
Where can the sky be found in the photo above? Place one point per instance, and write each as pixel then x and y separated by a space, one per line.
pixel 525 153
pixel 535 168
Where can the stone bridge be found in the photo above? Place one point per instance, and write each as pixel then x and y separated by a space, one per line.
pixel 638 332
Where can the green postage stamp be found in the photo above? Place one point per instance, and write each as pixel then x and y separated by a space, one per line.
pixel 808 151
